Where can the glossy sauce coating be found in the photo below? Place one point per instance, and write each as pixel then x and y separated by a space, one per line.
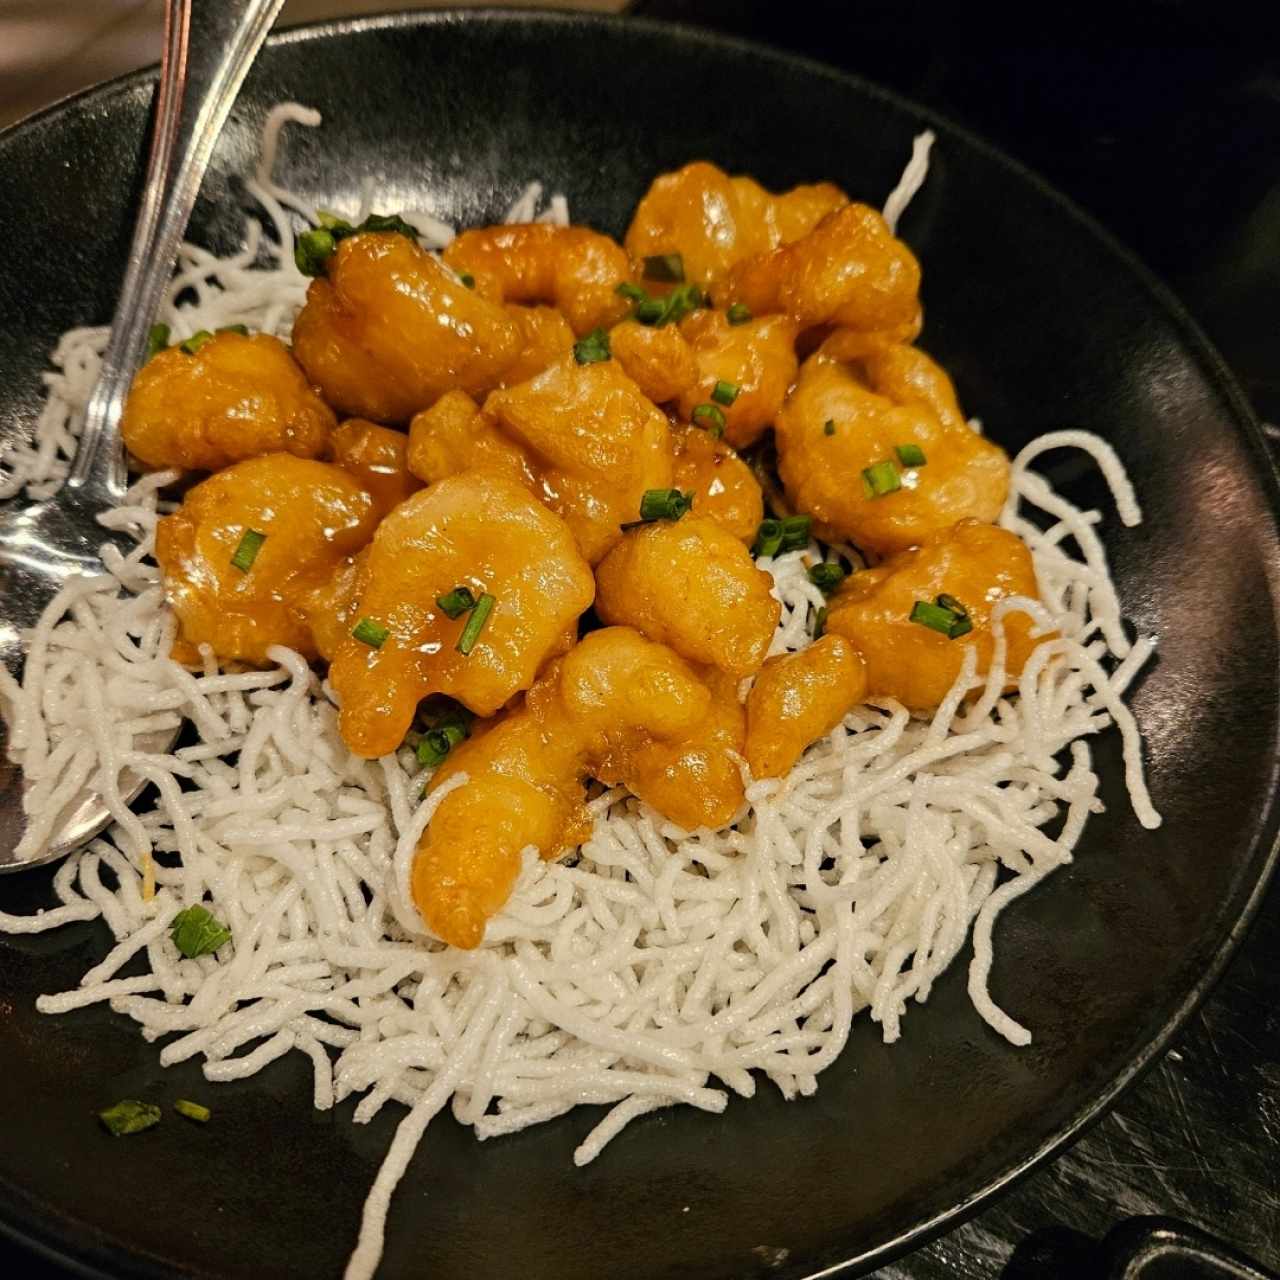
pixel 480 530
pixel 574 269
pixel 714 221
pixel 595 442
pixel 724 488
pixel 453 436
pixel 313 515
pixel 235 398
pixel 822 466
pixel 657 359
pixel 545 337
pixel 391 330
pixel 799 697
pixel 593 711
pixel 850 270
pixel 378 458
pixel 979 565
pixel 692 585
pixel 757 357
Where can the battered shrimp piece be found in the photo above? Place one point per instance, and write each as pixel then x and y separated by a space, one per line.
pixel 855 344
pixel 595 441
pixel 609 697
pixel 907 376
pixel 545 337
pixel 453 435
pixel 978 565
pixel 574 269
pixel 758 358
pixel 391 330
pixel 849 271
pixel 695 781
pixel 478 530
pixel 311 515
pixel 724 488
pixel 833 428
pixel 714 221
pixel 237 397
pixel 657 359
pixel 799 697
pixel 692 585
pixel 378 458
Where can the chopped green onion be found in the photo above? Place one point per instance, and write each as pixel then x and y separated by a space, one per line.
pixel 829 427
pixel 910 455
pixel 475 624
pixel 826 576
pixel 632 292
pixel 247 552
pixel 725 393
pixel 666 268
pixel 192 1110
pixel 128 1117
pixel 664 504
pixel 938 617
pixel 650 311
pixel 593 348
pixel 196 933
pixel 820 623
pixel 456 602
pixel 369 632
pixel 467 279
pixel 157 339
pixel 707 415
pixel 381 222
pixel 195 342
pixel 438 742
pixel 739 313
pixel 768 538
pixel 657 312
pixel 312 249
pixel 881 479
pixel 795 533
pixel 950 602
pixel 241 329
pixel 332 221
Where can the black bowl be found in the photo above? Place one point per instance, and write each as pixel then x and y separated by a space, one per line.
pixel 1045 322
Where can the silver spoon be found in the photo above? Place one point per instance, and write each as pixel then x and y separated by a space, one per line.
pixel 208 48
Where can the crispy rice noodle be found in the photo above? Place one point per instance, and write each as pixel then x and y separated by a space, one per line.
pixel 655 966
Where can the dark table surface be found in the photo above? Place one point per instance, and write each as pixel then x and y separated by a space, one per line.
pixel 1163 119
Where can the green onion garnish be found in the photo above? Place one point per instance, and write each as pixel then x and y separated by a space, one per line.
pixel 475 624
pixel 739 313
pixel 725 393
pixel 829 427
pixel 910 455
pixel 664 504
pixel 768 538
pixel 467 279
pixel 456 602
pixel 438 742
pixel 657 312
pixel 938 617
pixel 950 602
pixel 707 415
pixel 776 536
pixel 650 311
pixel 820 623
pixel 195 342
pixel 196 933
pixel 250 544
pixel 192 1110
pixel 129 1116
pixel 312 249
pixel 593 348
pixel 666 268
pixel 632 292
pixel 826 576
pixel 157 339
pixel 369 632
pixel 241 329
pixel 881 478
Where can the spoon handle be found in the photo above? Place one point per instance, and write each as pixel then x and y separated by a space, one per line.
pixel 208 48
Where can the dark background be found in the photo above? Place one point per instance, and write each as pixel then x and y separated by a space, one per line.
pixel 1162 120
